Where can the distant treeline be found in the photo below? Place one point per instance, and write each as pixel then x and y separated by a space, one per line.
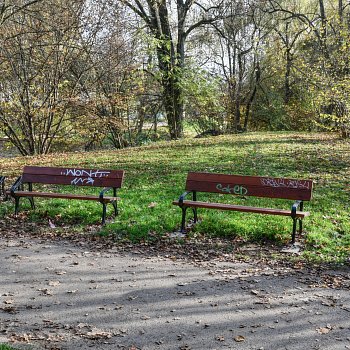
pixel 87 73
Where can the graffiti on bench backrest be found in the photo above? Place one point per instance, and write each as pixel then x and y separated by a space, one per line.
pixel 83 176
pixel 287 183
pixel 236 189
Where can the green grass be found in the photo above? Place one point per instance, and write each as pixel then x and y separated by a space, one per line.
pixel 156 174
pixel 6 347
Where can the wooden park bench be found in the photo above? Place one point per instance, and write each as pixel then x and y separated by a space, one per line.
pixel 256 186
pixel 108 179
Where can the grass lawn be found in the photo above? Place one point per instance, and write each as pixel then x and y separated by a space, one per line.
pixel 156 174
pixel 6 347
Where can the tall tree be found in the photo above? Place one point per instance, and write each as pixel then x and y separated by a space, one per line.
pixel 108 69
pixel 37 51
pixel 323 57
pixel 170 46
pixel 240 35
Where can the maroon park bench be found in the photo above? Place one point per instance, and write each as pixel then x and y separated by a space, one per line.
pixel 269 187
pixel 109 180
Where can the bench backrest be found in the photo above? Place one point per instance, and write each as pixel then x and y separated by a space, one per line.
pixel 73 176
pixel 250 185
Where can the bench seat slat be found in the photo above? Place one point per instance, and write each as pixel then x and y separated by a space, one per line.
pixel 63 196
pixel 242 208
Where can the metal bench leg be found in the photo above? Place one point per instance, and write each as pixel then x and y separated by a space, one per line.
pixel 195 216
pixel 32 204
pixel 104 212
pixel 31 199
pixel 183 221
pixel 294 229
pixel 16 205
pixel 115 206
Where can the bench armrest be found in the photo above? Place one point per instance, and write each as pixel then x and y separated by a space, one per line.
pixel 17 184
pixel 295 207
pixel 182 197
pixel 106 189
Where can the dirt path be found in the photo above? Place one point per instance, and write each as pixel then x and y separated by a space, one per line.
pixel 59 295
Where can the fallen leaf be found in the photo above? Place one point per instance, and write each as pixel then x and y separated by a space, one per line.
pixel 98 334
pixel 51 224
pixel 330 303
pixel 323 330
pixel 45 291
pixel 61 272
pixel 9 309
pixel 239 338
pixel 54 283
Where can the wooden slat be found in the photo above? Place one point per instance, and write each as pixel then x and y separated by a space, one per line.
pixel 73 176
pixel 242 208
pixel 63 196
pixel 73 171
pixel 74 181
pixel 250 185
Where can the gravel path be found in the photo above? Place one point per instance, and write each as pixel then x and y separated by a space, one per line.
pixel 60 295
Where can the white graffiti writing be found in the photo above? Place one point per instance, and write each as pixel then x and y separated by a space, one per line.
pixel 84 172
pixel 83 181
pixel 303 184
pixel 83 176
pixel 236 189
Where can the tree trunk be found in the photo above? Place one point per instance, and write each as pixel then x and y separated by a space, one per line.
pixel 340 11
pixel 323 30
pixel 238 97
pixel 252 96
pixel 173 106
pixel 287 84
pixel 170 65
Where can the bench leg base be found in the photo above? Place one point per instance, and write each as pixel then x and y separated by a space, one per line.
pixel 183 220
pixel 32 204
pixel 16 205
pixel 295 228
pixel 195 216
pixel 115 206
pixel 31 201
pixel 104 212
